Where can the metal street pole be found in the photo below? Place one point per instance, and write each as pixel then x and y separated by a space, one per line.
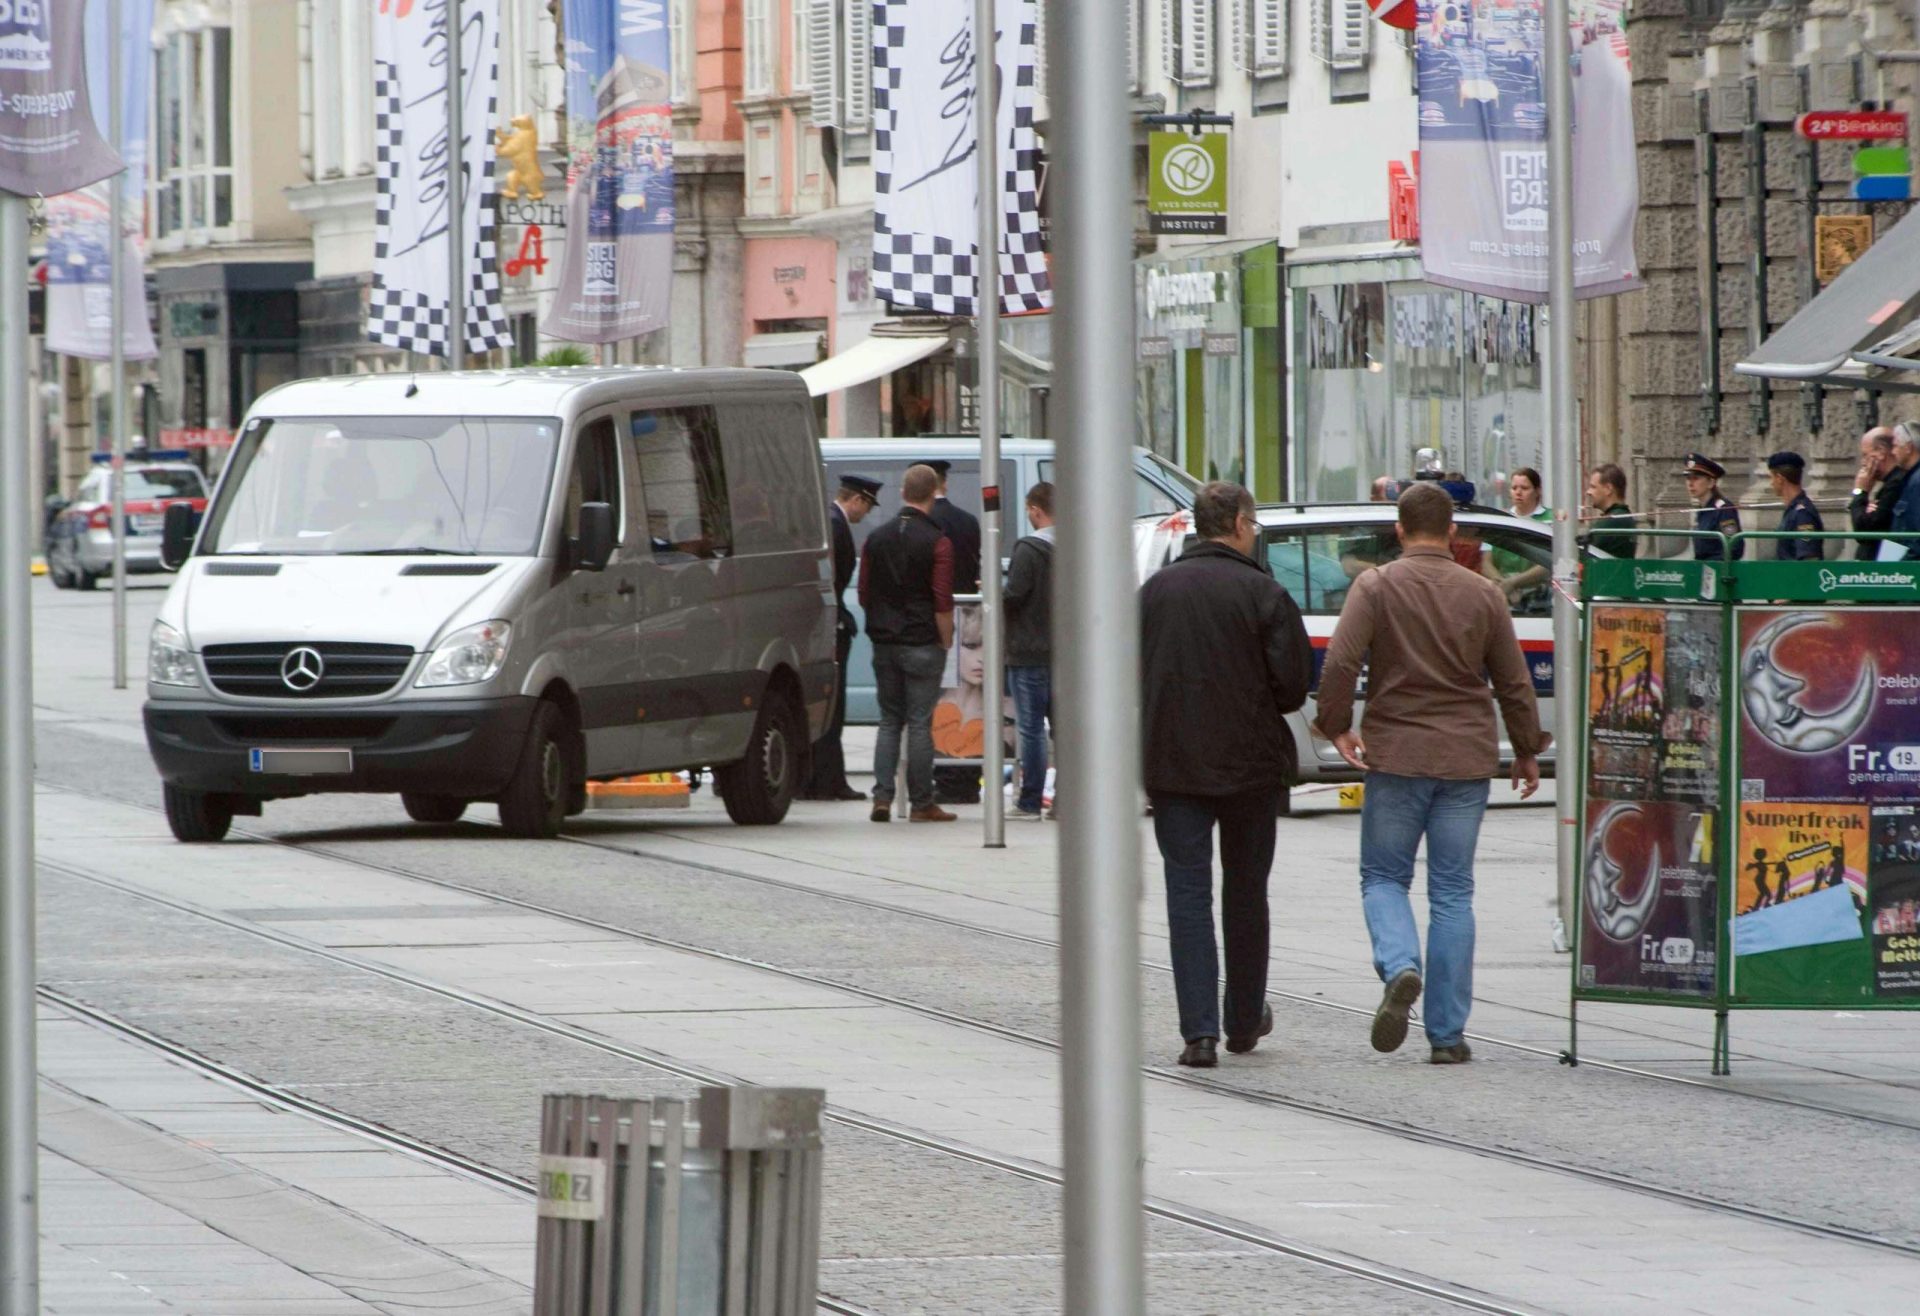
pixel 1563 447
pixel 19 1139
pixel 457 196
pixel 1096 629
pixel 117 371
pixel 986 105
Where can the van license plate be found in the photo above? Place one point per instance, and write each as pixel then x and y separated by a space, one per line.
pixel 302 762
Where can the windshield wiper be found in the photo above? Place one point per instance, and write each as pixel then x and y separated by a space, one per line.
pixel 409 552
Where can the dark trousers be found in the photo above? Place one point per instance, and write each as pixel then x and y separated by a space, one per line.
pixel 1183 825
pixel 829 757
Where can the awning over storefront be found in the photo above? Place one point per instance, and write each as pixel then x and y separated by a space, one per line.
pixel 777 350
pixel 869 360
pixel 1859 322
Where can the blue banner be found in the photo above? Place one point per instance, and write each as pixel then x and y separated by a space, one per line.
pixel 617 272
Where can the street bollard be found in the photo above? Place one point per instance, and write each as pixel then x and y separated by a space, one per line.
pixel 727 1188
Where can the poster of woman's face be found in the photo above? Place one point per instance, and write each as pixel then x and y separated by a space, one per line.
pixel 959 719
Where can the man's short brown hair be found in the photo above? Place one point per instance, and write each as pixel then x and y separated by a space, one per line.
pixel 1611 476
pixel 1426 511
pixel 919 484
pixel 1041 496
pixel 1218 507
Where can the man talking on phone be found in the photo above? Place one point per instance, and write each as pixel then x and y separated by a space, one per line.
pixel 1430 633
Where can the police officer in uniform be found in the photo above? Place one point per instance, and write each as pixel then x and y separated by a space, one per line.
pixel 953 784
pixel 858 495
pixel 1785 470
pixel 1714 513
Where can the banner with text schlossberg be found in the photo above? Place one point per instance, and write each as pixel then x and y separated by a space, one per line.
pixel 1483 148
pixel 616 278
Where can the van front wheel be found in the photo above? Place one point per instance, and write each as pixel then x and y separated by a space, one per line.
pixel 433 808
pixel 760 786
pixel 535 801
pixel 195 817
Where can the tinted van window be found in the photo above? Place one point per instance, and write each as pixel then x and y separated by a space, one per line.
pixel 773 477
pixel 683 481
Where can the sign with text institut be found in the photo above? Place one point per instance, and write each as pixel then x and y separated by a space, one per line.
pixel 1187 182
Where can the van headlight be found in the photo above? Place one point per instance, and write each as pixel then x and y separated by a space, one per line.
pixel 470 656
pixel 169 661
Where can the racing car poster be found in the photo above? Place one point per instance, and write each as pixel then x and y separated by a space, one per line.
pixel 1483 148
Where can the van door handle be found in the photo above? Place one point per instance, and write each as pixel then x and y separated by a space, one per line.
pixel 625 588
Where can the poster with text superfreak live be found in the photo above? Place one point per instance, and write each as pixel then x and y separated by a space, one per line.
pixel 1483 148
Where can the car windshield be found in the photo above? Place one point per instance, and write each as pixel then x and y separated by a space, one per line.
pixel 387 484
pixel 1174 473
pixel 151 482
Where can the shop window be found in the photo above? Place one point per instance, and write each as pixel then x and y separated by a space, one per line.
pixel 191 169
pixel 683 480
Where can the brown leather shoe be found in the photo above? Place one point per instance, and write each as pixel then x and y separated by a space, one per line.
pixel 882 811
pixel 1457 1054
pixel 1390 1020
pixel 932 813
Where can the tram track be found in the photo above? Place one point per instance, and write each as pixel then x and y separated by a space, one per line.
pixel 1409 1282
pixel 1213 1086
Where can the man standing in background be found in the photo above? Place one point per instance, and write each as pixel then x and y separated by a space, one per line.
pixel 960 785
pixel 858 495
pixel 1876 488
pixel 1029 602
pixel 1607 495
pixel 1785 471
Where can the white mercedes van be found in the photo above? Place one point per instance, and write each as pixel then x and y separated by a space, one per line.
pixel 499 586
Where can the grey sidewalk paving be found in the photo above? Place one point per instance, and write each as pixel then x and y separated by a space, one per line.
pixel 164 1190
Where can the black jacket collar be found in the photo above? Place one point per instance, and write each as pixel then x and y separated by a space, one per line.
pixel 1217 548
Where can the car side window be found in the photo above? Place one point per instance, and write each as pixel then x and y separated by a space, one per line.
pixel 93 489
pixel 683 479
pixel 596 474
pixel 1318 565
pixel 1521 564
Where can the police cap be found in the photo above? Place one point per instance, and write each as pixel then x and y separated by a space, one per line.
pixel 1790 462
pixel 1700 464
pixel 860 484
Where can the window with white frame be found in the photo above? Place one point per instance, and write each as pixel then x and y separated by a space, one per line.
pixel 1341 31
pixel 191 148
pixel 800 52
pixel 1260 37
pixel 757 36
pixel 680 50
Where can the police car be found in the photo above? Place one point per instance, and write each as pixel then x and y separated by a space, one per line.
pixel 80 535
pixel 1316 550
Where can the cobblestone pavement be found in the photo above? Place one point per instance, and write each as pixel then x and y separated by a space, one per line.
pixel 909 1229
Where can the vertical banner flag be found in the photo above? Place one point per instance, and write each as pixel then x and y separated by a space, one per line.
pixel 926 184
pixel 414 204
pixel 1483 148
pixel 48 141
pixel 80 228
pixel 616 276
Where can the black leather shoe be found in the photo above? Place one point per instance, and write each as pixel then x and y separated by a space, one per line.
pixel 1199 1054
pixel 845 794
pixel 1242 1045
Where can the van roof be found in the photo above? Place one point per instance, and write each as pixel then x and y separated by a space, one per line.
pixel 533 391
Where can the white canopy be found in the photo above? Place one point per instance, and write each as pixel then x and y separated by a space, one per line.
pixel 868 360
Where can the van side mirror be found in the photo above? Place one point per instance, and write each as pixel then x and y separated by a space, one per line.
pixel 594 548
pixel 176 536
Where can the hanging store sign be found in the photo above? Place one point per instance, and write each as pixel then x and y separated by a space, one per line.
pixel 1187 181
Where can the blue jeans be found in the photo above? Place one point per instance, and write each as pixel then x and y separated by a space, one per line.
pixel 1183 825
pixel 1032 690
pixel 906 678
pixel 1397 813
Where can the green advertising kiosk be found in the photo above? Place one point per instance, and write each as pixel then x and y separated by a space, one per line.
pixel 1749 786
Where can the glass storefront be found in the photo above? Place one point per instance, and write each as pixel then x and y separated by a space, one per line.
pixel 1208 395
pixel 1385 364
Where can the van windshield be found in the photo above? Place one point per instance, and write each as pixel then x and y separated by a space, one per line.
pixel 387 484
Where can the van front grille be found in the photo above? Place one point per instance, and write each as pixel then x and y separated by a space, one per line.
pixel 345 671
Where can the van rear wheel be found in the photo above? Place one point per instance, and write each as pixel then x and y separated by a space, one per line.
pixel 196 818
pixel 534 803
pixel 760 787
pixel 433 808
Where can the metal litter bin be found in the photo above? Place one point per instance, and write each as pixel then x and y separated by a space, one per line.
pixel 728 1188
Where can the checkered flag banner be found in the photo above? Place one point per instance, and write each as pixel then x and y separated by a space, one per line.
pixel 926 188
pixel 408 307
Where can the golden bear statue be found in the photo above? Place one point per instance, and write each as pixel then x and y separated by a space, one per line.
pixel 520 148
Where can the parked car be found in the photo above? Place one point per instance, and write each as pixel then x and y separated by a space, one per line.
pixel 1316 550
pixel 1160 487
pixel 80 533
pixel 498 586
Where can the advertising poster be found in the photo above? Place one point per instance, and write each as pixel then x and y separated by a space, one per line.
pixel 1483 148
pixel 49 142
pixel 960 717
pixel 616 277
pixel 1801 882
pixel 1650 891
pixel 1893 900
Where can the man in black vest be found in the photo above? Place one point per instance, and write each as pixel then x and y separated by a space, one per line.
pixel 953 784
pixel 906 587
pixel 858 495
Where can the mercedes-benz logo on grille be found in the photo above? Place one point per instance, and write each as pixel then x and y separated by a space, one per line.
pixel 302 669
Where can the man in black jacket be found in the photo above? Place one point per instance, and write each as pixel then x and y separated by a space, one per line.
pixel 1028 597
pixel 1225 658
pixel 955 784
pixel 1877 486
pixel 858 495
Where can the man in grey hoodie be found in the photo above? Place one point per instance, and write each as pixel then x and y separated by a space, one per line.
pixel 1028 598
